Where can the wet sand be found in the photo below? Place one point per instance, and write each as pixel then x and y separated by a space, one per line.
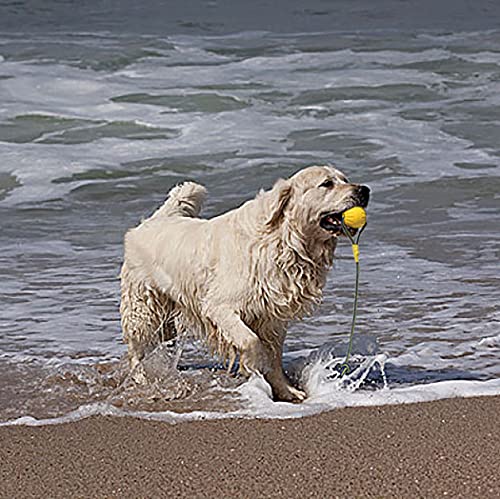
pixel 448 448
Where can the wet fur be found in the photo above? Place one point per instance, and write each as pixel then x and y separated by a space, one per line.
pixel 238 279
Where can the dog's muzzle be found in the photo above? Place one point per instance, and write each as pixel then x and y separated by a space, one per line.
pixel 332 221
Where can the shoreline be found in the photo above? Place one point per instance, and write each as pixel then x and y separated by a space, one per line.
pixel 447 447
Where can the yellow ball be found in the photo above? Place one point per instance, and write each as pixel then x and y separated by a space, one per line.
pixel 355 217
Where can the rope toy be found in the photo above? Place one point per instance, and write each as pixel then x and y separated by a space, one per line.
pixel 354 218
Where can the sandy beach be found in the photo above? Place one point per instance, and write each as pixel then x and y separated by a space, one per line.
pixel 444 448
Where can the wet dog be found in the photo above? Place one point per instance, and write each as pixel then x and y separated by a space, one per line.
pixel 237 279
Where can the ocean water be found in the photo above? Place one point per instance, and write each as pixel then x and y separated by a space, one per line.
pixel 101 115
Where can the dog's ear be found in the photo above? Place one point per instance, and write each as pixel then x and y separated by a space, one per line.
pixel 279 196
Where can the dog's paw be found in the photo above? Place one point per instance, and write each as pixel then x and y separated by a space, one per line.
pixel 289 394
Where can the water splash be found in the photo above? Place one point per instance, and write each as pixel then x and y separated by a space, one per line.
pixel 173 395
pixel 154 382
pixel 365 372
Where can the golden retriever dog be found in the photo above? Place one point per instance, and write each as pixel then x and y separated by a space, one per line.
pixel 238 279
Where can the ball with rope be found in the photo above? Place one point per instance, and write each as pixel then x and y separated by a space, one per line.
pixel 355 217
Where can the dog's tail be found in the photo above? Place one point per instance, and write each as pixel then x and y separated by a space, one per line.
pixel 184 200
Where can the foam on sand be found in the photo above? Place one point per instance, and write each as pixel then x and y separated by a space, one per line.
pixel 326 391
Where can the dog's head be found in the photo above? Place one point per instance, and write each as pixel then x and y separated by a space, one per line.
pixel 313 201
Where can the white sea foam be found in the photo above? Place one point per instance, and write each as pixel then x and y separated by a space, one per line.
pixel 490 342
pixel 326 391
pixel 61 91
pixel 260 405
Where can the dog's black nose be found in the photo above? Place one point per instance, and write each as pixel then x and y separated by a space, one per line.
pixel 363 194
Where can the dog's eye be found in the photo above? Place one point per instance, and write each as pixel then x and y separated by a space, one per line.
pixel 328 184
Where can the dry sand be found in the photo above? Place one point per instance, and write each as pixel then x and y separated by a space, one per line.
pixel 448 448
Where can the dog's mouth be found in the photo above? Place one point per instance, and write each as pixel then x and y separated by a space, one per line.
pixel 332 222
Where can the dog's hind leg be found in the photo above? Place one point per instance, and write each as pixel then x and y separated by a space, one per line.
pixel 146 317
pixel 147 314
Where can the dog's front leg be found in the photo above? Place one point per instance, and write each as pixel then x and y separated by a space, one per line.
pixel 282 389
pixel 235 333
pixel 255 356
